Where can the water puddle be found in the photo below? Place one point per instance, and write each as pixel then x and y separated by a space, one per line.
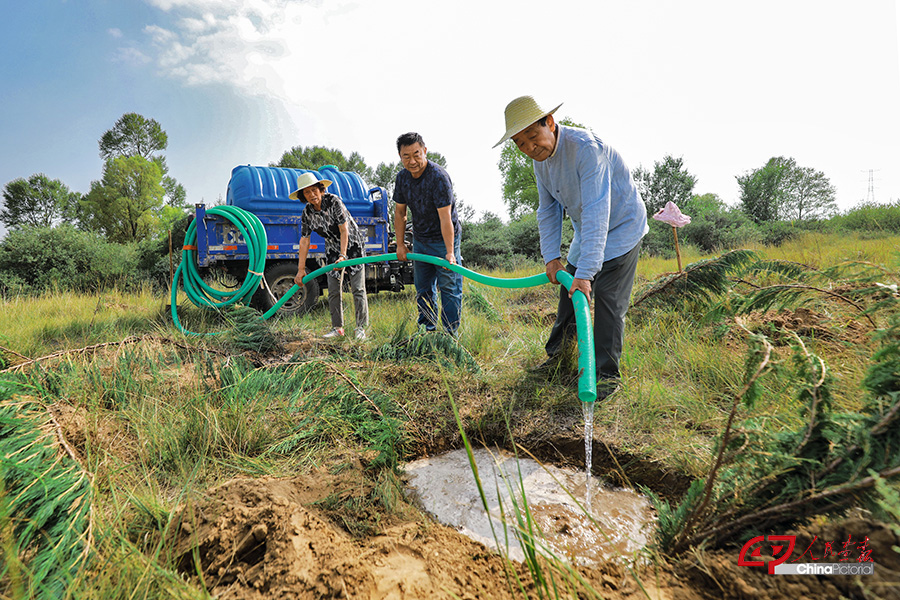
pixel 445 487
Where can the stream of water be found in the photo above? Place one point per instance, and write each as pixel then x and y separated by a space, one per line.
pixel 610 524
pixel 588 408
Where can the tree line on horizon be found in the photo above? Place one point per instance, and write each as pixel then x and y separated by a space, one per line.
pixel 128 214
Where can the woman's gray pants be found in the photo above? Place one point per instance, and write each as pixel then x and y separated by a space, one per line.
pixel 360 302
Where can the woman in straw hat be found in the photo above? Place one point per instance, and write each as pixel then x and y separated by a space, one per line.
pixel 577 173
pixel 326 215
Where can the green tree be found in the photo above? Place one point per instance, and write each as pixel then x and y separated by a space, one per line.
pixel 37 202
pixel 135 135
pixel 525 238
pixel 312 157
pixel 670 181
pixel 519 185
pixel 783 190
pixel 704 204
pixel 810 195
pixel 763 190
pixel 127 204
pixel 385 175
pixel 437 158
pixel 869 216
pixel 465 212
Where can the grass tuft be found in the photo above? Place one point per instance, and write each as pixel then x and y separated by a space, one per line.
pixel 45 505
pixel 436 347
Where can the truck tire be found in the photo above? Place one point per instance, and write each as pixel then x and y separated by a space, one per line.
pixel 280 277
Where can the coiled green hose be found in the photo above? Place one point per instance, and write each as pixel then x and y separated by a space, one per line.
pixel 195 288
pixel 253 231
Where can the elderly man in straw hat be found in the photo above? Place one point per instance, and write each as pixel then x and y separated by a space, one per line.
pixel 579 174
pixel 326 215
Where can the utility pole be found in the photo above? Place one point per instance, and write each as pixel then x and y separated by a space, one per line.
pixel 870 193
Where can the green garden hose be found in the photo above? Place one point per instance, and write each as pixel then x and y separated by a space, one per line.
pixel 195 288
pixel 253 231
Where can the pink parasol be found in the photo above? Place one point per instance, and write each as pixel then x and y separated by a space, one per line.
pixel 671 215
pixel 674 217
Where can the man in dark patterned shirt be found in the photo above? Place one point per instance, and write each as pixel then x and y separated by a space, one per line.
pixel 425 188
pixel 326 215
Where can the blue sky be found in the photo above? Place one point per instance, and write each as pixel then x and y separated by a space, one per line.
pixel 724 85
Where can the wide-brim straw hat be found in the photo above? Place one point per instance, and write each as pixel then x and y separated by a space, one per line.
pixel 304 181
pixel 522 113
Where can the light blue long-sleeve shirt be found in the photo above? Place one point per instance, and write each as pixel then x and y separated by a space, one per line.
pixel 589 180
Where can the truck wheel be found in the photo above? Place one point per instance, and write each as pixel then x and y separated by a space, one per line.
pixel 280 278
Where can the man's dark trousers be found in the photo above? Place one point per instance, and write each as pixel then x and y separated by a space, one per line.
pixel 611 290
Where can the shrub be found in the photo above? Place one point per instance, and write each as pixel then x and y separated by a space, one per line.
pixel 775 233
pixel 659 240
pixel 525 239
pixel 153 264
pixel 870 217
pixel 484 243
pixel 34 259
pixel 720 230
pixel 713 227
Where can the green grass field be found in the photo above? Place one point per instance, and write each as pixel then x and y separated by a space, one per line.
pixel 154 417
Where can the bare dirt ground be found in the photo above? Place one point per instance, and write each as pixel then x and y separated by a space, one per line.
pixel 261 538
pixel 267 538
pixel 258 539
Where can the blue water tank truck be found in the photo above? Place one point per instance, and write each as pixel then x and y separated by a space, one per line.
pixel 264 192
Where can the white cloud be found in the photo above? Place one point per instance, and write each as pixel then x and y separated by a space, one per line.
pixel 199 25
pixel 115 32
pixel 131 56
pixel 724 85
pixel 196 5
pixel 160 36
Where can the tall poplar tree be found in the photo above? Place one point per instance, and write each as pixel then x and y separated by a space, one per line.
pixel 135 135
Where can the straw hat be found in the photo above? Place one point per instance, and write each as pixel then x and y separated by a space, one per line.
pixel 521 113
pixel 304 181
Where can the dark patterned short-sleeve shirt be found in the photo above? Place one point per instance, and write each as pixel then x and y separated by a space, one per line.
pixel 424 196
pixel 326 222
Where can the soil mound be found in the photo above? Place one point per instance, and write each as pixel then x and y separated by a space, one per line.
pixel 255 539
